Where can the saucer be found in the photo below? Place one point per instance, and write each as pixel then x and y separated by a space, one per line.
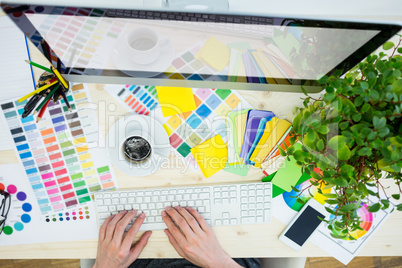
pixel 138 125
pixel 124 64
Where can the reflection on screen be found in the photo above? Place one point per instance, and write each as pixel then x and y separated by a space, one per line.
pixel 193 46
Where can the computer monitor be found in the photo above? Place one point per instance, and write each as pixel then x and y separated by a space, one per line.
pixel 114 43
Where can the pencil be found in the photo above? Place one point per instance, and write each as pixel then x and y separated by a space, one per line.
pixel 44 49
pixel 39 66
pixel 36 91
pixel 48 51
pixel 58 64
pixel 42 111
pixel 65 99
pixel 59 77
pixel 48 97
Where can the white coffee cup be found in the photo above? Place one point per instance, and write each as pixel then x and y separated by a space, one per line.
pixel 143 45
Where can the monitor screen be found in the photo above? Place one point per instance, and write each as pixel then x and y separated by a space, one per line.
pixel 195 49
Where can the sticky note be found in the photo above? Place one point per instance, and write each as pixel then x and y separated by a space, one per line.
pixel 278 191
pixel 288 174
pixel 211 155
pixel 260 132
pixel 175 100
pixel 236 124
pixel 268 143
pixel 238 169
pixel 214 53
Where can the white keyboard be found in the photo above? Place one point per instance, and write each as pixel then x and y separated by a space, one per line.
pixel 220 205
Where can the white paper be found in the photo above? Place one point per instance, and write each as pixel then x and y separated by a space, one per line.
pixel 37 229
pixel 16 75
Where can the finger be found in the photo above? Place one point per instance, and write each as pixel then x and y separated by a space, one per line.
pixel 102 229
pixel 174 243
pixel 204 225
pixel 180 221
pixel 139 246
pixel 174 230
pixel 112 225
pixel 132 232
pixel 191 221
pixel 122 224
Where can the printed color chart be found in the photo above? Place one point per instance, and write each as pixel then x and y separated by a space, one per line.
pixel 138 99
pixel 189 129
pixel 77 214
pixel 62 169
pixel 87 39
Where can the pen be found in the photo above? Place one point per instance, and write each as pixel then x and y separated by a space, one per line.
pixel 28 108
pixel 48 51
pixel 39 66
pixel 48 97
pixel 58 64
pixel 36 91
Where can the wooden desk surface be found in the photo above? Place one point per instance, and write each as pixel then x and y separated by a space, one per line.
pixel 238 241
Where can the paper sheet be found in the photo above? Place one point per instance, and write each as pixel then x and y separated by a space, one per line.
pixel 16 75
pixel 214 53
pixel 211 155
pixel 24 223
pixel 288 174
pixel 175 100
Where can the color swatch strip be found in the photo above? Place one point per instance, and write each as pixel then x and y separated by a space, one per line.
pixel 55 152
pixel 135 98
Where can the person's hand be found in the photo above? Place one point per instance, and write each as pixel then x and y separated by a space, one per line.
pixel 194 239
pixel 114 250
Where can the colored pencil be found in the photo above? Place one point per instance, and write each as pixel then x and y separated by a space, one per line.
pixel 58 64
pixel 59 77
pixel 39 66
pixel 44 49
pixel 50 81
pixel 36 91
pixel 48 52
pixel 65 99
pixel 42 111
pixel 48 97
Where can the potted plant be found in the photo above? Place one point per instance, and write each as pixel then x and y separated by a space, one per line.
pixel 353 134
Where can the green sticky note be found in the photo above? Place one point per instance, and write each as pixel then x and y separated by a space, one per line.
pixel 239 169
pixel 288 174
pixel 278 191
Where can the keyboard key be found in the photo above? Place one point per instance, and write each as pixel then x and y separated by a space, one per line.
pixel 128 207
pixel 103 209
pixel 120 207
pixel 218 222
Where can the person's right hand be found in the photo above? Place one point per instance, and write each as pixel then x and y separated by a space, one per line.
pixel 195 240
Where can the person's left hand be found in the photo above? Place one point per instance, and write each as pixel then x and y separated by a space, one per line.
pixel 113 249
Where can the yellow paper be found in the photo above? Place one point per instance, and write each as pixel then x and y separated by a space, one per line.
pixel 269 140
pixel 267 74
pixel 211 155
pixel 175 100
pixel 240 126
pixel 214 53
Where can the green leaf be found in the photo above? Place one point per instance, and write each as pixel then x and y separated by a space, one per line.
pixel 299 155
pixel 323 129
pixel 344 153
pixel 399 207
pixel 396 196
pixel 281 151
pixel 323 80
pixel 379 122
pixel 298 200
pixel 330 210
pixel 348 207
pixel 311 135
pixel 329 96
pixel 364 151
pixel 304 91
pixel 380 65
pixel 357 117
pixel 337 142
pixel 361 187
pixel 358 101
pixel 295 189
pixel 320 145
pixel 364 85
pixel 375 207
pixel 372 136
pixel 388 45
pixel 347 168
pixel 400 50
pixel 343 125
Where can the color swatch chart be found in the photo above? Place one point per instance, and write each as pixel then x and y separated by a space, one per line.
pixel 78 40
pixel 186 66
pixel 137 99
pixel 77 214
pixel 21 208
pixel 57 154
pixel 189 129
